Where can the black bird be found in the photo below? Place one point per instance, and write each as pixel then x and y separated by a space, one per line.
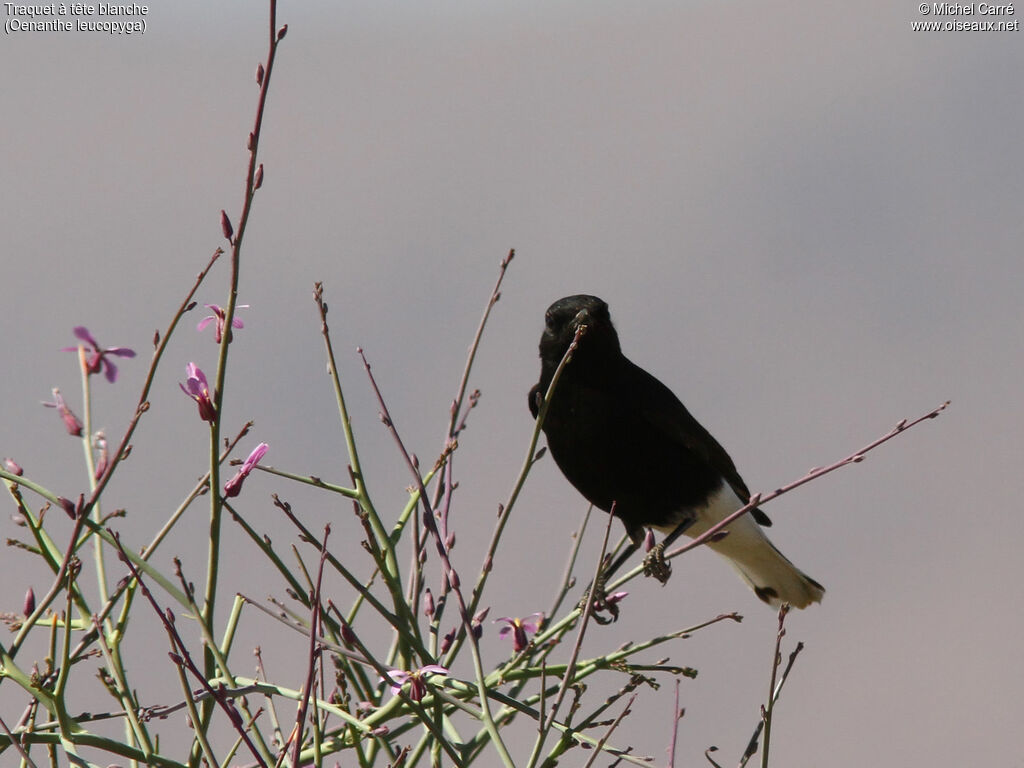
pixel 620 436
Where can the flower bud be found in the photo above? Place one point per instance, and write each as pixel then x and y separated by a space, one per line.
pixel 68 506
pixel 225 226
pixel 347 635
pixel 447 640
pixel 649 540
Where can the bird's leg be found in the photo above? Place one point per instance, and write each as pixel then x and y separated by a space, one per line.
pixel 597 593
pixel 655 563
pixel 624 555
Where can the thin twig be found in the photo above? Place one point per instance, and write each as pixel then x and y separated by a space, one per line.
pixel 390 572
pixel 314 623
pixel 751 749
pixel 568 582
pixel 766 711
pixel 17 745
pixel 406 619
pixel 182 658
pixel 532 456
pixel 759 499
pixel 235 239
pixel 121 452
pixel 677 715
pixel 454 425
pixel 607 734
pixel 569 677
pixel 453 577
pixel 60 582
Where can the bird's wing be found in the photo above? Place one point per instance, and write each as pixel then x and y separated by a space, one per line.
pixel 663 411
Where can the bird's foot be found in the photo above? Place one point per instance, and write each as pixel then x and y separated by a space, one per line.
pixel 602 602
pixel 656 565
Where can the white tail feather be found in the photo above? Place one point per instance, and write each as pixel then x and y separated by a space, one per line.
pixel 773 578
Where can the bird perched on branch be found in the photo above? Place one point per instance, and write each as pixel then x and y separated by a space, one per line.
pixel 622 438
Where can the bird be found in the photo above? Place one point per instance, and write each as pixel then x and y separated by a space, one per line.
pixel 631 448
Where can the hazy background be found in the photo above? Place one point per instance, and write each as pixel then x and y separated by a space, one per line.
pixel 806 221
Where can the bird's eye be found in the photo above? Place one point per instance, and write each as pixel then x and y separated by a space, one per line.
pixel 549 318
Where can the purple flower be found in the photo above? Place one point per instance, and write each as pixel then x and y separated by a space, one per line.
pixel 234 486
pixel 520 629
pixel 13 467
pixel 196 387
pixel 97 358
pixel 74 426
pixel 397 678
pixel 220 316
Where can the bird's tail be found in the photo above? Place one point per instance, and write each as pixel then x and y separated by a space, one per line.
pixel 769 573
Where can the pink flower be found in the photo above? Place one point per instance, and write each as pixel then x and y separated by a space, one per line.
pixel 97 358
pixel 71 422
pixel 397 678
pixel 234 486
pixel 520 629
pixel 196 387
pixel 220 316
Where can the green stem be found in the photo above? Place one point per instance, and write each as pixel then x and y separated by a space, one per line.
pixel 124 692
pixel 213 556
pixel 776 660
pixel 391 571
pixel 531 458
pixel 90 467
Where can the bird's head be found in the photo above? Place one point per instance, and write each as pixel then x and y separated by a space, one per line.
pixel 564 318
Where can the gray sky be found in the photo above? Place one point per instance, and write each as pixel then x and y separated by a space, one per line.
pixel 805 222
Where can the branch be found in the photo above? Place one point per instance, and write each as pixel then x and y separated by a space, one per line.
pixel 183 659
pixel 449 570
pixel 314 622
pixel 758 499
